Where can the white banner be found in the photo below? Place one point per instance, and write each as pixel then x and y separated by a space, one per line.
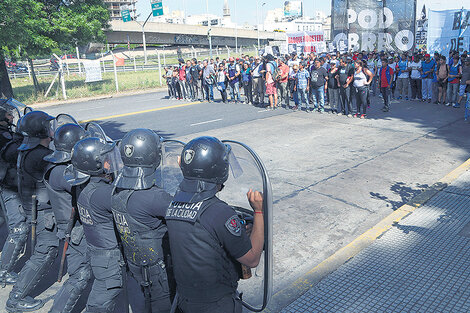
pixel 92 71
pixel 306 42
pixel 448 30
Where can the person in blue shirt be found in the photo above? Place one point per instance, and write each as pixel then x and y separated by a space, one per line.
pixel 246 81
pixel 428 66
pixel 302 84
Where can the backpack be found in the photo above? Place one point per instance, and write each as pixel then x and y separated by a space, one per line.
pixel 277 73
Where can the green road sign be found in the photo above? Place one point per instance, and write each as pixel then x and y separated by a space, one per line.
pixel 126 15
pixel 157 7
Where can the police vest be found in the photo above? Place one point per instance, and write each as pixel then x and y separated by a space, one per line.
pixel 232 71
pixel 140 242
pixel 61 200
pixel 100 235
pixel 8 159
pixel 28 185
pixel 203 270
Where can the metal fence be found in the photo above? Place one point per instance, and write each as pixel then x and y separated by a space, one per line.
pixel 134 64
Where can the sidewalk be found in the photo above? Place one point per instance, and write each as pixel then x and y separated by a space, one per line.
pixel 421 264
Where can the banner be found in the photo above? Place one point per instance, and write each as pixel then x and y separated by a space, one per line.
pixel 448 30
pixel 368 25
pixel 306 42
pixel 92 71
pixel 292 8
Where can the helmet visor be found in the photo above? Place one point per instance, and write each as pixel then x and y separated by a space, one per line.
pixel 74 177
pixel 94 130
pixel 13 113
pixel 112 162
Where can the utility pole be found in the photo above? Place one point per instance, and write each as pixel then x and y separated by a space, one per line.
pixel 257 20
pixel 143 37
pixel 236 29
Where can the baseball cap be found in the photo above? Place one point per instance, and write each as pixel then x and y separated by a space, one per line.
pixel 427 55
pixel 231 59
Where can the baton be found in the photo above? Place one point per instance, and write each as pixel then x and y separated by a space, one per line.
pixel 68 232
pixel 174 305
pixel 146 286
pixel 34 221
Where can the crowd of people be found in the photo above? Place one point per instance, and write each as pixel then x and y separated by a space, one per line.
pixel 310 81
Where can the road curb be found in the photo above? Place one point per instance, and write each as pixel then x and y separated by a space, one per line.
pixel 99 97
pixel 287 295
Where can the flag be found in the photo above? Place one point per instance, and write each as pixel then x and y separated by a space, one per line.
pixel 423 12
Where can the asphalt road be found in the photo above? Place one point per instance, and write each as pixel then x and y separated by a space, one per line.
pixel 333 177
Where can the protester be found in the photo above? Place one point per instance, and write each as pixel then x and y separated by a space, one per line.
pixel 333 87
pixel 464 79
pixel 271 76
pixel 318 79
pixel 385 79
pixel 442 75
pixel 208 80
pixel 258 82
pixel 415 77
pixel 362 79
pixel 222 82
pixel 453 82
pixel 282 83
pixel 301 87
pixel 346 76
pixel 182 79
pixel 233 75
pixel 246 81
pixel 403 78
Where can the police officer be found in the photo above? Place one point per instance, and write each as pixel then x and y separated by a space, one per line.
pixel 91 161
pixel 60 195
pixel 30 169
pixel 139 209
pixel 207 240
pixel 11 205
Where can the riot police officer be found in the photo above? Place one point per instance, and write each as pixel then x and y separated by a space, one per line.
pixel 60 196
pixel 11 205
pixel 92 159
pixel 30 169
pixel 207 240
pixel 139 208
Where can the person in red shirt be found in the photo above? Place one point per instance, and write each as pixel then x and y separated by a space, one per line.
pixel 182 79
pixel 282 90
pixel 386 78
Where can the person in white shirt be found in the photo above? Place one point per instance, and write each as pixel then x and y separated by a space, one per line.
pixel 415 75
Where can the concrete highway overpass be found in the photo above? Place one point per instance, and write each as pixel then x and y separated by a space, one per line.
pixel 180 34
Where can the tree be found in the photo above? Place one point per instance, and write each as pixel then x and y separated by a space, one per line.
pixel 35 27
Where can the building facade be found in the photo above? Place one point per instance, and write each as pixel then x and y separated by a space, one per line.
pixel 114 8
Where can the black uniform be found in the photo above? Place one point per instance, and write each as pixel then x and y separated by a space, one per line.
pixel 11 204
pixel 30 169
pixel 94 207
pixel 78 267
pixel 139 217
pixel 206 238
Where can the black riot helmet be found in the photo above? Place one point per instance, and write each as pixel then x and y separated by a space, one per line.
pixel 207 159
pixel 141 155
pixel 65 138
pixel 34 126
pixel 92 157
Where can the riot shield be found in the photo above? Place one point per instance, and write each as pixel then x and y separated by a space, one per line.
pixel 95 130
pixel 170 172
pixel 15 108
pixel 60 120
pixel 247 171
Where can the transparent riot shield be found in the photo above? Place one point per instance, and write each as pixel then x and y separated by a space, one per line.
pixel 170 172
pixel 60 120
pixel 247 171
pixel 94 130
pixel 15 108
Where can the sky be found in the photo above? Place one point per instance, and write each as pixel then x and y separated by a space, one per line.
pixel 244 11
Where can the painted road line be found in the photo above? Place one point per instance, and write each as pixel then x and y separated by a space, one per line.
pixel 139 112
pixel 287 295
pixel 206 122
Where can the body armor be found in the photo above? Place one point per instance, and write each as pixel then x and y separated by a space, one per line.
pixel 203 270
pixel 140 242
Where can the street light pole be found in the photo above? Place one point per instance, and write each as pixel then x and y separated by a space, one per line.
pixel 257 20
pixel 143 37
pixel 209 30
pixel 236 29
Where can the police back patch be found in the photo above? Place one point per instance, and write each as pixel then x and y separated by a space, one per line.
pixel 234 225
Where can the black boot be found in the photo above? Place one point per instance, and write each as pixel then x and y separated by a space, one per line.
pixel 8 278
pixel 17 305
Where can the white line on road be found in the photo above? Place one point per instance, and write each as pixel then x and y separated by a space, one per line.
pixel 206 122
